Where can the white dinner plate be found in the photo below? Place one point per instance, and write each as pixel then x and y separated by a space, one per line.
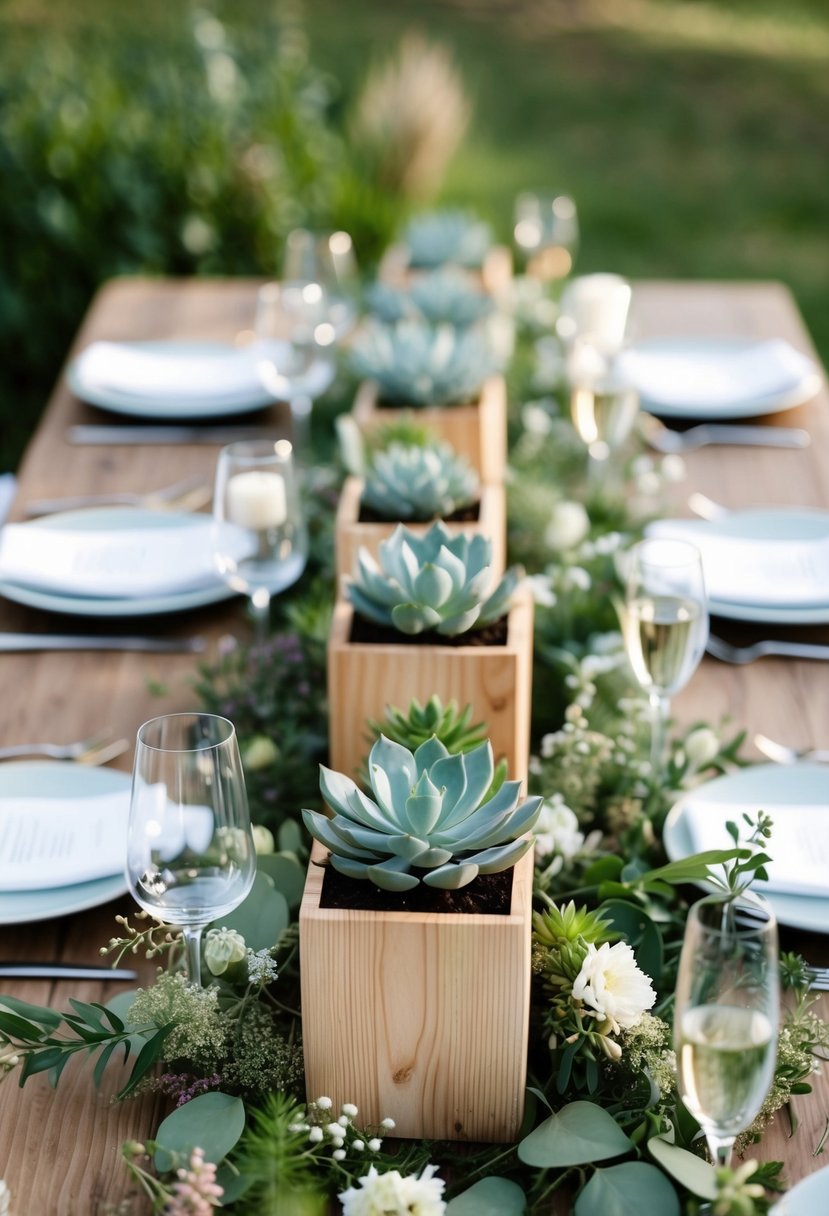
pixel 144 405
pixel 112 518
pixel 58 779
pixel 810 1197
pixel 761 787
pixel 801 388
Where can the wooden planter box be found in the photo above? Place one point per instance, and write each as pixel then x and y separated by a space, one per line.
pixel 494 275
pixel 422 1017
pixel 365 677
pixel 477 431
pixel 350 534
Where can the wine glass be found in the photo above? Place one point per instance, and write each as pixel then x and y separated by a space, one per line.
pixel 327 259
pixel 603 402
pixel 665 625
pixel 190 852
pixel 546 230
pixel 260 542
pixel 726 1015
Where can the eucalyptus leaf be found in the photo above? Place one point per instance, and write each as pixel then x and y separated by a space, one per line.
pixel 695 867
pixel 606 869
pixel 287 873
pixel 120 1006
pixel 212 1122
pixel 629 1189
pixel 691 1172
pixel 40 1014
pixel 577 1134
pixel 489 1197
pixel 261 917
pixel 290 837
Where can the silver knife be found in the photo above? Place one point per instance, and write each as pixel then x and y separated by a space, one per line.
pixel 58 971
pixel 217 435
pixel 10 642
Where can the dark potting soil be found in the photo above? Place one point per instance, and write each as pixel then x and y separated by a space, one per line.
pixel 464 515
pixel 367 631
pixel 488 893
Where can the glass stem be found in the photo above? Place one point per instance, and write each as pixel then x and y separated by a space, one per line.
pixel 192 946
pixel 660 711
pixel 261 605
pixel 301 406
pixel 720 1149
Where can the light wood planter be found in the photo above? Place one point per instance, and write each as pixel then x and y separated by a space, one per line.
pixel 477 431
pixel 350 534
pixel 365 677
pixel 422 1017
pixel 494 275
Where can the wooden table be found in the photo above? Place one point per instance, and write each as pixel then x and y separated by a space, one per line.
pixel 60 1151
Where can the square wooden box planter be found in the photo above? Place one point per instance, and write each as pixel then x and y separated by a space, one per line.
pixel 477 431
pixel 350 534
pixel 494 275
pixel 365 677
pixel 422 1017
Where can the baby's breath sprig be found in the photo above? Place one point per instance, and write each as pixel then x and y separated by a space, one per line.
pixel 155 940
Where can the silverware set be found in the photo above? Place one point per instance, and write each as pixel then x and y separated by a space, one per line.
pixel 19 642
pixel 741 655
pixel 64 971
pixel 670 442
pixel 96 750
pixel 216 435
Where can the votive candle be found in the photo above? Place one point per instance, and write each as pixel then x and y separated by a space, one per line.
pixel 256 500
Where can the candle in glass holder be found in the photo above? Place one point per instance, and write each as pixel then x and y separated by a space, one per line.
pixel 256 500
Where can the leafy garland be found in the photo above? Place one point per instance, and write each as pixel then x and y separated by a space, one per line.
pixel 602 1076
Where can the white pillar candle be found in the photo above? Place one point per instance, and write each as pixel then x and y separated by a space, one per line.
pixel 596 305
pixel 256 500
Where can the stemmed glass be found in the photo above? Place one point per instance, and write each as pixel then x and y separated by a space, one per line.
pixel 665 625
pixel 726 1016
pixel 326 259
pixel 546 231
pixel 603 402
pixel 190 852
pixel 260 542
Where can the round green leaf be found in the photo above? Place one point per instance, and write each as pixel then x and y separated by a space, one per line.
pixel 287 874
pixel 261 916
pixel 212 1122
pixel 628 1189
pixel 291 838
pixel 690 1171
pixel 579 1133
pixel 489 1197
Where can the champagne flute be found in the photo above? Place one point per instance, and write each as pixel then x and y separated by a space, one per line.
pixel 190 851
pixel 260 542
pixel 726 1015
pixel 327 259
pixel 665 626
pixel 603 402
pixel 546 230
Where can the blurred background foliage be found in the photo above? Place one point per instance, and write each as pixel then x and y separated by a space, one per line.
pixel 189 138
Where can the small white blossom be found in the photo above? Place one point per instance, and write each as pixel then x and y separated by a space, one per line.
pixel 334 1129
pixel 576 578
pixel 262 967
pixel 611 983
pixel 557 830
pixel 358 1145
pixel 395 1194
pixel 349 1109
pixel 338 1154
pixel 324 1103
pixel 222 948
pixel 701 746
pixel 542 590
pixel 375 1144
pixel 388 1124
pixel 535 419
pixel 263 841
pixel 673 468
pixel 343 1120
pixel 568 526
pixel 315 1135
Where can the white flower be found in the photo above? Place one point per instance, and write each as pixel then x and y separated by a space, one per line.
pixel 542 591
pixel 222 947
pixel 611 983
pixel 557 830
pixel 349 1110
pixel 315 1135
pixel 701 746
pixel 568 526
pixel 324 1103
pixel 393 1194
pixel 263 841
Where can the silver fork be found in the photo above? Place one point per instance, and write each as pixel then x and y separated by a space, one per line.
pixel 670 442
pixel 98 749
pixel 781 754
pixel 186 495
pixel 747 654
pixel 818 978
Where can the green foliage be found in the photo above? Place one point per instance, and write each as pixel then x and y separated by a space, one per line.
pixel 418 365
pixel 489 1197
pixel 212 1122
pixel 578 1134
pixel 628 1190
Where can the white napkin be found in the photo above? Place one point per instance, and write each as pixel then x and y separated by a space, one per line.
pixel 116 564
pixel 685 379
pixel 799 844
pixel 56 842
pixel 168 371
pixel 755 571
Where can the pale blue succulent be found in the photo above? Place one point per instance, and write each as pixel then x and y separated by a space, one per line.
pixel 407 481
pixel 436 581
pixel 436 237
pixel 443 296
pixel 419 365
pixel 427 821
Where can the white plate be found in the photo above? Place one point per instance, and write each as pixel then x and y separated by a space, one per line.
pixel 761 787
pixel 809 1198
pixel 138 405
pixel 801 389
pixel 58 779
pixel 111 518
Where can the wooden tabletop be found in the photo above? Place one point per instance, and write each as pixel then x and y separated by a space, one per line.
pixel 59 1151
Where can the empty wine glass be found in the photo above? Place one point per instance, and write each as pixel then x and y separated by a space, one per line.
pixel 190 852
pixel 260 542
pixel 726 1016
pixel 326 259
pixel 665 625
pixel 546 231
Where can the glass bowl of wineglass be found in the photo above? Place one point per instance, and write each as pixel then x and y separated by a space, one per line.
pixel 546 232
pixel 665 625
pixel 726 1015
pixel 604 404
pixel 190 852
pixel 259 537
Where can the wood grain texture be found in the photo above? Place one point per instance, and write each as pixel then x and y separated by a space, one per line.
pixel 350 534
pixel 477 432
pixel 365 677
pixel 419 1016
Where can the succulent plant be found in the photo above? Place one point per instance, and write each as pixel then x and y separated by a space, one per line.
pixel 444 296
pixel 409 482
pixel 434 581
pixel 428 813
pixel 420 365
pixel 436 237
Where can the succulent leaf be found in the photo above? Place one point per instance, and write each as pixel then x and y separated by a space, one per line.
pixel 434 238
pixel 418 482
pixel 451 877
pixel 420 365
